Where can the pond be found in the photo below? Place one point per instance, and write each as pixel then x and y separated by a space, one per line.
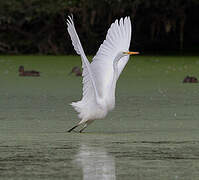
pixel 152 133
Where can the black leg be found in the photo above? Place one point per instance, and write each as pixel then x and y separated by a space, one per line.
pixel 81 130
pixel 72 128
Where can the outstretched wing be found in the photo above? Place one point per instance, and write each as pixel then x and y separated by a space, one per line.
pixel 89 87
pixel 118 39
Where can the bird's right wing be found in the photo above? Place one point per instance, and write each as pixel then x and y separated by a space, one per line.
pixel 89 86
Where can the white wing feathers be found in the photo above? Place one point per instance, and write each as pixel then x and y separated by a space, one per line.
pixel 89 86
pixel 98 75
pixel 117 39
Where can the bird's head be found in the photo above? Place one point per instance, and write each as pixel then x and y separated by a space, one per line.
pixel 122 54
pixel 21 68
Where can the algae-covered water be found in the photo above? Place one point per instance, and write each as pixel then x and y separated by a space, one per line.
pixel 152 134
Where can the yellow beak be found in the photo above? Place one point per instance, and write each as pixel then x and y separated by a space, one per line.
pixel 132 53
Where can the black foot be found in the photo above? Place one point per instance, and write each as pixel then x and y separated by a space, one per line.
pixel 81 130
pixel 72 128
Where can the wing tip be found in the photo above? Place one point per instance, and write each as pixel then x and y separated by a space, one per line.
pixel 69 19
pixel 122 20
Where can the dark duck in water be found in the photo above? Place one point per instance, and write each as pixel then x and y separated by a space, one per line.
pixel 76 70
pixel 22 72
pixel 190 79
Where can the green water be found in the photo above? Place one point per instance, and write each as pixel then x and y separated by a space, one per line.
pixel 152 134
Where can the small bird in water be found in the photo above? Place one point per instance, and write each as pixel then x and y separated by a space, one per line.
pixel 76 70
pixel 190 79
pixel 22 72
pixel 100 76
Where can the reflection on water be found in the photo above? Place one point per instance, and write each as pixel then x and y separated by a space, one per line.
pixel 96 163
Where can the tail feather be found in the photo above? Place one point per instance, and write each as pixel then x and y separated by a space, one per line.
pixel 88 111
pixel 78 106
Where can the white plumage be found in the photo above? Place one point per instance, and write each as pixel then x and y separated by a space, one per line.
pixel 100 76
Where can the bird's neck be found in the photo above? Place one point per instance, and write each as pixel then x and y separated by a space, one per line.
pixel 115 73
pixel 115 76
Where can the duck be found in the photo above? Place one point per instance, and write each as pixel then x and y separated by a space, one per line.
pixel 76 70
pixel 190 79
pixel 22 72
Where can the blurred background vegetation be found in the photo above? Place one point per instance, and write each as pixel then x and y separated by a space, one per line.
pixel 38 27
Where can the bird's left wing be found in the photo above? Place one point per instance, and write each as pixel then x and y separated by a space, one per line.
pixel 88 80
pixel 117 39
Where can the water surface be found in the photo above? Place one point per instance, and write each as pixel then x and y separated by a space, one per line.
pixel 152 133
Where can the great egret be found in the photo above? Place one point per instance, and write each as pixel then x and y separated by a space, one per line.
pixel 100 76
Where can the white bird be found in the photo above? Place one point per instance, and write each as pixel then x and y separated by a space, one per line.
pixel 100 76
